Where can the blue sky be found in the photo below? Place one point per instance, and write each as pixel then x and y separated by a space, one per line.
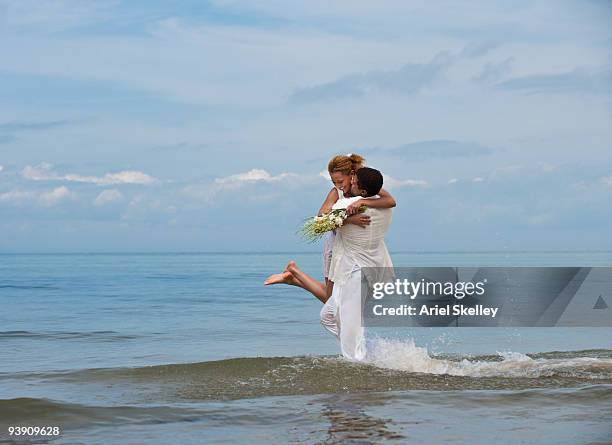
pixel 205 126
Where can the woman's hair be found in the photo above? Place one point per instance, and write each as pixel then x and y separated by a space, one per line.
pixel 345 164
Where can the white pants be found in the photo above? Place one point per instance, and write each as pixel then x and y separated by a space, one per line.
pixel 341 316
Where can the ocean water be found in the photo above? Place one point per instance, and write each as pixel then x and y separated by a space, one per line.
pixel 192 348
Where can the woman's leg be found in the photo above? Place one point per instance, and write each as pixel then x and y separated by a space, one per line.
pixel 329 287
pixel 295 277
pixel 284 277
pixel 308 283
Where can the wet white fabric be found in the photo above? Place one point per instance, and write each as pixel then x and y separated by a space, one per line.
pixel 348 313
pixel 354 248
pixel 328 316
pixel 341 316
pixel 355 245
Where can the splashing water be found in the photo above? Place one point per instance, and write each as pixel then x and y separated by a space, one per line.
pixel 406 356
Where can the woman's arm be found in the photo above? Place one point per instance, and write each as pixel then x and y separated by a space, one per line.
pixel 386 201
pixel 331 199
pixel 359 219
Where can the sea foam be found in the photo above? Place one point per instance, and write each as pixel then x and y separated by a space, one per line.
pixel 405 355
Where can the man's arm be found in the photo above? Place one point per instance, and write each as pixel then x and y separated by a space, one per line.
pixel 385 201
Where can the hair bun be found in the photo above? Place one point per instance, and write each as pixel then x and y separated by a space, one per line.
pixel 345 163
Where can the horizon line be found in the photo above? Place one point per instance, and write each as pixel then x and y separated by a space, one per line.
pixel 255 252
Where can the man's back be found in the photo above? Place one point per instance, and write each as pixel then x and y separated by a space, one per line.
pixel 368 238
pixel 357 247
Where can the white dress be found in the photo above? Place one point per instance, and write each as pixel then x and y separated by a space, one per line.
pixel 354 247
pixel 328 244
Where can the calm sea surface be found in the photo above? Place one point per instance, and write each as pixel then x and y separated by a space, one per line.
pixel 192 348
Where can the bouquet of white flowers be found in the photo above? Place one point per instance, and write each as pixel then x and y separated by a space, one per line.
pixel 314 228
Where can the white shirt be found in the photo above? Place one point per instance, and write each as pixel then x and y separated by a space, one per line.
pixel 356 247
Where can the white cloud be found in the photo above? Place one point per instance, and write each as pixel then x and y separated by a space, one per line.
pixel 478 179
pixel 207 192
pixel 1 168
pixel 45 198
pixel 54 196
pixel 391 183
pixel 592 185
pixel 606 180
pixel 122 177
pixel 107 196
pixel 149 208
pixel 453 181
pixel 44 172
pixel 16 196
pixel 38 173
pixel 254 175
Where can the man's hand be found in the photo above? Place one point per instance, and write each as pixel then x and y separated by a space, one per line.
pixel 359 219
pixel 354 207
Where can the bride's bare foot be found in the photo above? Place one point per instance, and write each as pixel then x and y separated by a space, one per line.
pixel 291 267
pixel 278 278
